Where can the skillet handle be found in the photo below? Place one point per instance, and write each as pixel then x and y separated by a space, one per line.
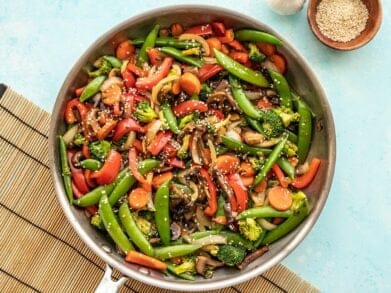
pixel 107 285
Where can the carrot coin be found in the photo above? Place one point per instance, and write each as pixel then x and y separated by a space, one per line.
pixel 280 198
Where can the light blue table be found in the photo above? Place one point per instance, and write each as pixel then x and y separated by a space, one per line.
pixel 348 250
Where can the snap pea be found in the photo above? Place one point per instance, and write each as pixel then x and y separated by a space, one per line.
pixel 169 42
pixel 148 43
pixel 220 150
pixel 92 88
pixel 240 71
pixel 240 147
pixel 179 56
pixel 65 171
pixel 134 233
pixel 255 124
pixel 162 213
pixel 258 242
pixel 305 130
pixel 263 212
pixel 167 252
pixel 127 180
pixel 286 166
pixel 170 118
pixel 282 87
pixel 250 35
pixel 112 226
pixel 232 237
pixel 116 63
pixel 291 136
pixel 240 97
pixel 94 195
pixel 91 164
pixel 219 213
pixel 274 155
pixel 185 276
pixel 288 225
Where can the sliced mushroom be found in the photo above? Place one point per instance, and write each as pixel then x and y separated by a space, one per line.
pixel 76 158
pixel 252 137
pixel 223 182
pixel 258 198
pixel 195 153
pixel 253 256
pixel 175 231
pixel 203 263
pixel 230 217
pixel 201 220
pixel 183 175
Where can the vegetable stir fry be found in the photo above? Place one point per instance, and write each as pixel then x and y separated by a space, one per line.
pixel 188 148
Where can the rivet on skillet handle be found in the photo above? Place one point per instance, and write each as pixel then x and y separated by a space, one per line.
pixel 107 285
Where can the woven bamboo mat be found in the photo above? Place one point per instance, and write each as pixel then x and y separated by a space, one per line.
pixel 39 251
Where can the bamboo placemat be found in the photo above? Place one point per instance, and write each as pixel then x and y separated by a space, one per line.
pixel 39 251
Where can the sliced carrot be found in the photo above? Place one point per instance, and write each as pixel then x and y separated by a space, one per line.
pixel 106 129
pixel 266 48
pixel 124 50
pixel 190 83
pixel 279 61
pixel 222 220
pixel 280 198
pixel 176 29
pixel 264 103
pixel 138 198
pixel 246 169
pixel 86 151
pixel 213 43
pixel 155 56
pixel 241 57
pixel 176 260
pixel 227 164
pixel 135 69
pixel 176 87
pixel 78 91
pixel 161 178
pixel 145 260
pixel 284 182
pixel 306 179
pixel 261 186
pixel 247 181
pixel 294 161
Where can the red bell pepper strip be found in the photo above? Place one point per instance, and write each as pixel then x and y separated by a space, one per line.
pixel 304 180
pixel 212 200
pixel 228 36
pixel 76 192
pixel 116 109
pixel 125 126
pixel 208 70
pixel 109 170
pixel 147 83
pixel 106 129
pixel 92 210
pixel 138 146
pixel 159 142
pixel 90 181
pixel 189 106
pixel 78 176
pixel 79 90
pixel 241 57
pixel 218 28
pixel 284 182
pixel 85 151
pixel 135 69
pixel 237 46
pixel 70 107
pixel 134 169
pixel 169 150
pixel 177 163
pixel 240 191
pixel 201 30
pixel 129 79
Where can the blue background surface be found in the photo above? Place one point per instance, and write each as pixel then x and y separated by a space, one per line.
pixel 349 247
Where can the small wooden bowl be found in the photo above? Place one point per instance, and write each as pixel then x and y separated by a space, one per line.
pixel 371 28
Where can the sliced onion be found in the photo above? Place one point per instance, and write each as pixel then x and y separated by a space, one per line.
pixel 269 65
pixel 213 153
pixel 114 80
pixel 233 135
pixel 266 224
pixel 153 129
pixel 194 188
pixel 253 95
pixel 156 89
pixel 70 134
pixel 211 239
pixel 223 123
pixel 129 141
pixel 91 120
pixel 210 60
pixel 194 151
pixel 302 169
pixel 201 220
pixel 197 38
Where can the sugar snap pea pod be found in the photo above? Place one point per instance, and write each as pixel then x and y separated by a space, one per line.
pixel 92 88
pixel 240 97
pixel 282 86
pixel 134 233
pixel 240 71
pixel 263 212
pixel 170 118
pixel 185 276
pixel 116 63
pixel 94 195
pixel 305 130
pixel 240 147
pixel 127 179
pixel 258 242
pixel 167 252
pixel 91 164
pixel 291 136
pixel 162 213
pixel 288 225
pixel 274 155
pixel 232 238
pixel 169 42
pixel 286 166
pixel 255 124
pixel 112 226
pixel 148 43
pixel 219 213
pixel 173 52
pixel 250 35
pixel 65 171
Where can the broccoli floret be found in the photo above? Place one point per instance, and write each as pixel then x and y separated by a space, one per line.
pixel 144 112
pixel 97 222
pixel 79 139
pixel 290 149
pixel 287 115
pixel 204 92
pixel 231 255
pixel 254 54
pixel 271 122
pixel 256 162
pixel 104 67
pixel 250 229
pixel 186 119
pixel 187 266
pixel 299 198
pixel 100 149
pixel 143 224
